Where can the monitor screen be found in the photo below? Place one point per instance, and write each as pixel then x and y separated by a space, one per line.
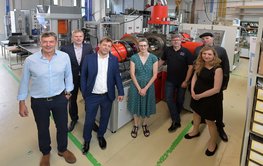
pixel 16 40
pixel 16 34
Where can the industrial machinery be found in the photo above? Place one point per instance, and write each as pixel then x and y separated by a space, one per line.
pixel 128 24
pixel 159 37
pixel 59 19
pixel 18 22
pixel 25 22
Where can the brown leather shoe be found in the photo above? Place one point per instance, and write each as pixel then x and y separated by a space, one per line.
pixel 45 160
pixel 68 156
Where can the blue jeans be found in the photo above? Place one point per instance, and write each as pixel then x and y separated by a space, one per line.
pixel 174 95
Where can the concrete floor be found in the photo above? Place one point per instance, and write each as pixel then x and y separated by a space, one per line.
pixel 18 141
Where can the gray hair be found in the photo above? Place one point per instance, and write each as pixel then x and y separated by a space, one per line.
pixel 77 31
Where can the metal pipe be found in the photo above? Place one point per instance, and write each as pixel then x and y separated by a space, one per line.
pixel 7 7
pixel 152 2
pixel 88 10
pixel 165 2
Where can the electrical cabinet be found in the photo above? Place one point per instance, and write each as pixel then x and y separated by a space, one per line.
pixel 252 149
pixel 18 21
pixel 128 24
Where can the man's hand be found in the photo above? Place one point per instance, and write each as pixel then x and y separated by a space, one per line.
pixel 68 96
pixel 23 112
pixel 184 84
pixel 120 98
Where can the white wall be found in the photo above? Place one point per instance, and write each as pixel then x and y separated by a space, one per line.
pixel 248 14
pixel 25 4
pixel 2 14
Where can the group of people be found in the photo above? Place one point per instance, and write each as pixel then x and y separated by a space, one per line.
pixel 206 74
pixel 54 77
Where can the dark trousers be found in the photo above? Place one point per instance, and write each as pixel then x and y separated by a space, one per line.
pixel 174 95
pixel 219 119
pixel 41 110
pixel 93 103
pixel 73 106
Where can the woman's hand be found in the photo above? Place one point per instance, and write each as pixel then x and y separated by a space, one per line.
pixel 143 92
pixel 196 96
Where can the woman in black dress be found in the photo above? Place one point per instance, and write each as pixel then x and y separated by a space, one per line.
pixel 206 95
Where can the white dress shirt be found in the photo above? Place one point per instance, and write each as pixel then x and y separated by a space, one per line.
pixel 100 86
pixel 78 53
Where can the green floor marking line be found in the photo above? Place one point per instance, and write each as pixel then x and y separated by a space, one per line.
pixel 79 146
pixel 11 73
pixel 75 141
pixel 174 144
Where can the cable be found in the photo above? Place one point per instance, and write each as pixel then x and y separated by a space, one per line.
pixel 132 12
pixel 146 7
pixel 131 20
pixel 206 11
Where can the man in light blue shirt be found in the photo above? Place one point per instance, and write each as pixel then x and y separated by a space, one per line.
pixel 47 76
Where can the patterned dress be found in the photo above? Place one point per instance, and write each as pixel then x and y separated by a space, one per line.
pixel 142 106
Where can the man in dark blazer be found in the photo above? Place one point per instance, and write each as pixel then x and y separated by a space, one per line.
pixel 99 76
pixel 77 50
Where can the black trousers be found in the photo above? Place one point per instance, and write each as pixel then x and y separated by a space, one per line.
pixel 219 119
pixel 73 106
pixel 42 109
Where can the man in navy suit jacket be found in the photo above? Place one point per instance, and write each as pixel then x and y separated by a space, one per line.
pixel 99 76
pixel 76 51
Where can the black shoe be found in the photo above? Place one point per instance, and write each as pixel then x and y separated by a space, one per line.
pixel 95 127
pixel 174 126
pixel 85 148
pixel 187 136
pixel 209 153
pixel 102 142
pixel 72 125
pixel 222 134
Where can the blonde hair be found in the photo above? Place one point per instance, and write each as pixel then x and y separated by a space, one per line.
pixel 77 31
pixel 200 63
